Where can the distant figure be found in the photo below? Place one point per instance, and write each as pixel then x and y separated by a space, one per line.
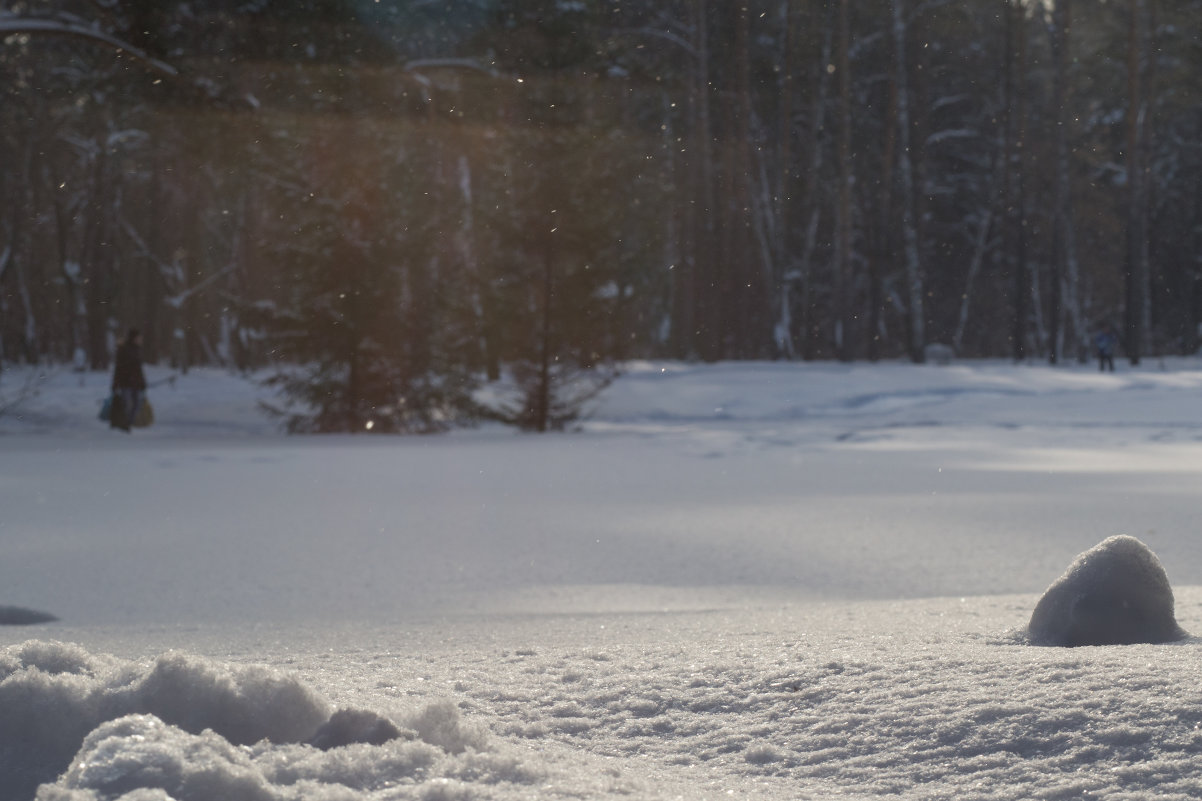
pixel 938 353
pixel 1106 341
pixel 129 382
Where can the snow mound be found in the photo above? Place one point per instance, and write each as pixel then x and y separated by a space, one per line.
pixel 349 726
pixel 1116 593
pixel 183 727
pixel 54 694
pixel 141 758
pixel 129 757
pixel 20 616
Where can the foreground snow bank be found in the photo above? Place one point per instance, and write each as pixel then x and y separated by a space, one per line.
pixel 1116 593
pixel 197 730
pixel 927 699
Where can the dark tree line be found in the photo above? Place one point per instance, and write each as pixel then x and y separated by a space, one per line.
pixel 397 201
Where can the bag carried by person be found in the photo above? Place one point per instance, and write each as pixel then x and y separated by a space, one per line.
pixel 106 409
pixel 145 414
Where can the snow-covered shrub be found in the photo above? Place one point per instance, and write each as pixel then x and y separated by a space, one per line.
pixel 535 399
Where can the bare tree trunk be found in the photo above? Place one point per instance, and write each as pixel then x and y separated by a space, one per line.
pixel 974 267
pixel 471 264
pixel 1153 294
pixel 158 243
pixel 680 245
pixel 19 256
pixel 1195 283
pixel 784 175
pixel 6 255
pixel 1015 155
pixel 1066 284
pixel 753 333
pixel 914 279
pixel 1136 272
pixel 884 250
pixel 843 222
pixel 708 331
pixel 542 395
pixel 97 262
pixel 1059 58
pixel 811 204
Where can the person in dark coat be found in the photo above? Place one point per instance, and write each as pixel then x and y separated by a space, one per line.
pixel 1106 342
pixel 129 382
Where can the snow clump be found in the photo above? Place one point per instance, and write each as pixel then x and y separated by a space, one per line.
pixel 84 727
pixel 1116 593
pixel 20 616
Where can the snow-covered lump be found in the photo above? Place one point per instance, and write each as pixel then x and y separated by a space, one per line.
pixel 349 726
pixel 20 616
pixel 1116 593
pixel 88 727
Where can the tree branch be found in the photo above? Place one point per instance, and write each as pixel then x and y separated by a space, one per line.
pixel 10 25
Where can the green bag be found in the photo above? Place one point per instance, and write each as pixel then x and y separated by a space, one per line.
pixel 145 414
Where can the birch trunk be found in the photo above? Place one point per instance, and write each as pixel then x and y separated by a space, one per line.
pixel 843 222
pixel 1138 300
pixel 1065 286
pixel 784 174
pixel 914 279
pixel 811 204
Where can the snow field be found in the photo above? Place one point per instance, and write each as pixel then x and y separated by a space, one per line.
pixel 769 581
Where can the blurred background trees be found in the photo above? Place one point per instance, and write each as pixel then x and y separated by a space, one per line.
pixel 402 199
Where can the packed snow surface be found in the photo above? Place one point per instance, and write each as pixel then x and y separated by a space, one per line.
pixel 776 581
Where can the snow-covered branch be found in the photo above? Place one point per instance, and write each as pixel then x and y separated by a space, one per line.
pixel 667 36
pixel 448 63
pixel 69 26
pixel 952 133
pixel 179 299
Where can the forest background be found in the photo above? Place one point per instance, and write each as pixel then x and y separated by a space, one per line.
pixel 396 202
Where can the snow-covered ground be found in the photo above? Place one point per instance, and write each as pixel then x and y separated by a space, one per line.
pixel 778 581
